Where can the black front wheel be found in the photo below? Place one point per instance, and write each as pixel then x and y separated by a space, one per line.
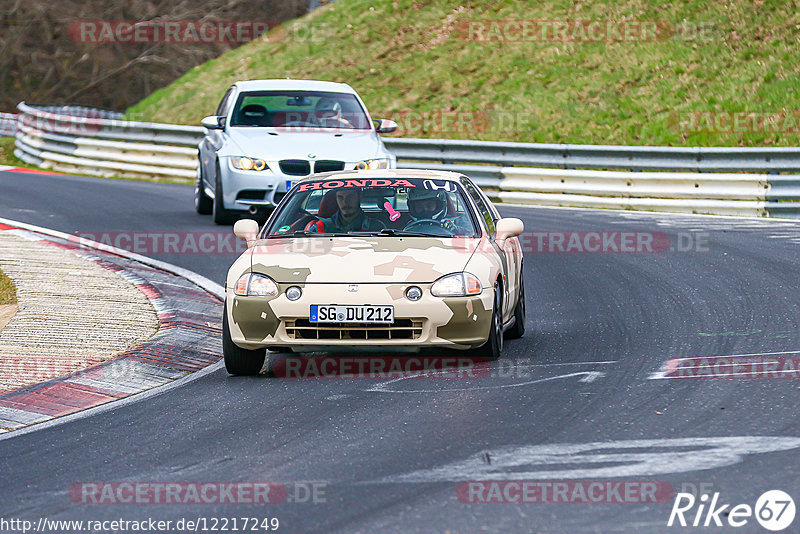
pixel 493 348
pixel 518 330
pixel 221 215
pixel 239 361
pixel 203 204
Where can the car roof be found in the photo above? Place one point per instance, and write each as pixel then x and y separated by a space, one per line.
pixel 294 85
pixel 384 173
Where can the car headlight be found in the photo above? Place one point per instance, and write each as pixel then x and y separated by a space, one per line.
pixel 366 164
pixel 456 285
pixel 248 164
pixel 256 285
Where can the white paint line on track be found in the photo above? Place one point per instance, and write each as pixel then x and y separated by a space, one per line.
pixel 605 362
pixel 599 460
pixel 588 377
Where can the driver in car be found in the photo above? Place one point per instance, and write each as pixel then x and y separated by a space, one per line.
pixel 431 205
pixel 349 217
pixel 328 113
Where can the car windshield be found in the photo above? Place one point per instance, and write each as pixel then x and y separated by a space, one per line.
pixel 299 109
pixel 375 206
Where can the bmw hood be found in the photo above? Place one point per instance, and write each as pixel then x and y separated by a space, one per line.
pixel 274 144
pixel 361 259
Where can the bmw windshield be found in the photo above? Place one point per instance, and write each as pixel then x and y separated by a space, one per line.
pixel 299 109
pixel 381 207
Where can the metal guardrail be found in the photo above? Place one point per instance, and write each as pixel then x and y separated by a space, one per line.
pixel 634 158
pixel 700 180
pixel 8 124
pixel 692 186
pixel 100 143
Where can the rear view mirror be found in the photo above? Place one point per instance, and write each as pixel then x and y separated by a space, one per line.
pixel 300 101
pixel 213 122
pixel 508 227
pixel 385 126
pixel 247 229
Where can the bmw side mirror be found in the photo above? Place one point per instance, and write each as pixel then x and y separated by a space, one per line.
pixel 247 229
pixel 508 227
pixel 213 122
pixel 385 126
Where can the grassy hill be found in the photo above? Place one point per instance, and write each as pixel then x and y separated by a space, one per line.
pixel 428 65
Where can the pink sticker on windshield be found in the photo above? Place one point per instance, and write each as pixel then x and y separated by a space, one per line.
pixel 393 215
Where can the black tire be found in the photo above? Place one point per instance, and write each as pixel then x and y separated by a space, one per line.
pixel 493 348
pixel 239 361
pixel 518 330
pixel 221 215
pixel 203 204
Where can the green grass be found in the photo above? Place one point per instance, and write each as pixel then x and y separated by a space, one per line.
pixel 8 293
pixel 407 59
pixel 7 156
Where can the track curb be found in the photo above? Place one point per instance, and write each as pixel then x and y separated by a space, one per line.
pixel 187 342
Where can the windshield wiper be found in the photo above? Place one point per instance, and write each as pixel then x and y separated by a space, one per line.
pixel 391 233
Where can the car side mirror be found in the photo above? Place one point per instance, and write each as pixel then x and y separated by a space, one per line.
pixel 508 227
pixel 213 122
pixel 385 126
pixel 247 229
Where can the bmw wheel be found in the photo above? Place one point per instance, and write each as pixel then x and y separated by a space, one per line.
pixel 221 215
pixel 203 204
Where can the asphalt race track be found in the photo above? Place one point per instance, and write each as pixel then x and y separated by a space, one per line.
pixel 388 456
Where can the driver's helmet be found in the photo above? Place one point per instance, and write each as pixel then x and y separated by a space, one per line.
pixel 420 207
pixel 327 108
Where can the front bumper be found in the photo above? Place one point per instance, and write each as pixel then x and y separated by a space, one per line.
pixel 455 322
pixel 263 189
pixel 243 189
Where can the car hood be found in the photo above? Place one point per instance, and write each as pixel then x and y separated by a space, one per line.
pixel 274 144
pixel 419 260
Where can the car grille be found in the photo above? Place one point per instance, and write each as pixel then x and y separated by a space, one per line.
pixel 327 166
pixel 295 167
pixel 400 329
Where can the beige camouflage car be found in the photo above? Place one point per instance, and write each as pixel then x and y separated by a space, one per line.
pixel 383 260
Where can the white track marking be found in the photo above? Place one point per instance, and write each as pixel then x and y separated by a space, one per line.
pixel 588 376
pixel 589 459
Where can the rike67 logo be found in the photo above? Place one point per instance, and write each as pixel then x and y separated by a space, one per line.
pixel 774 510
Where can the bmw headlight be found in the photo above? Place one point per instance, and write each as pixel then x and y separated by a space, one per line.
pixel 248 164
pixel 256 285
pixel 456 285
pixel 367 164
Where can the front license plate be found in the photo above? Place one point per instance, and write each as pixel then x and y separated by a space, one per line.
pixel 351 314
